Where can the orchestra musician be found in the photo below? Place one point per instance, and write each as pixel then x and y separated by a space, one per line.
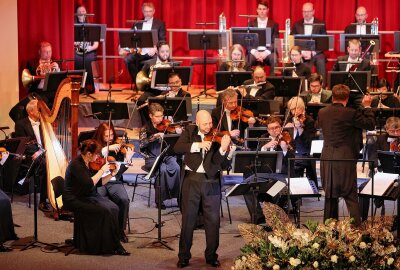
pixel 175 86
pixel 301 69
pixel 237 61
pixel 360 28
pixel 316 58
pixel 151 142
pixel 30 127
pixel 353 58
pixel 385 101
pixel 114 189
pixel 316 93
pixel 262 54
pixel 264 91
pixel 88 47
pixel 6 221
pixel 342 130
pixel 134 61
pixel 304 132
pixel 201 186
pixel 96 216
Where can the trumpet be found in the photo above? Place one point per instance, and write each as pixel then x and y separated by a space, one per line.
pixel 44 67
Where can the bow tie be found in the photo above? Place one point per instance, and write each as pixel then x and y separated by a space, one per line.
pixel 35 124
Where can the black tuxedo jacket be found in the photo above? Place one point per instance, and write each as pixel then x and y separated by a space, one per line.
pixel 23 128
pixel 157 25
pixel 266 92
pixel 298 28
pixel 216 116
pixel 352 29
pixel 301 70
pixel 364 65
pixel 213 159
pixel 274 29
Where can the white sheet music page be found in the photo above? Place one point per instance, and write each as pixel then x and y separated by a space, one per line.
pixel 300 186
pixel 276 188
pixel 382 182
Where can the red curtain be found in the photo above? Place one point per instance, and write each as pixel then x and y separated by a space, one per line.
pixel 52 20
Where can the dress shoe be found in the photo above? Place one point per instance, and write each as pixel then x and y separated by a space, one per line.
pixel 163 207
pixel 121 251
pixel 4 248
pixel 124 238
pixel 214 263
pixel 44 207
pixel 182 263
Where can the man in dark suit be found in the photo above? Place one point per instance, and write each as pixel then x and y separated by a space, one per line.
pixel 201 184
pixel 302 27
pixel 134 62
pixel 360 28
pixel 342 130
pixel 265 91
pixel 30 127
pixel 353 58
pixel 263 54
pixel 316 93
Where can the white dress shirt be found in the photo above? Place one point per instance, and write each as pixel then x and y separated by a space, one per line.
pixel 308 28
pixel 36 130
pixel 146 26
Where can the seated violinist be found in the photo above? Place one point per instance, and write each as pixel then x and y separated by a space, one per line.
pixel 237 61
pixel 304 132
pixel 114 188
pixel 226 117
pixel 353 61
pixel 151 141
pixel 385 101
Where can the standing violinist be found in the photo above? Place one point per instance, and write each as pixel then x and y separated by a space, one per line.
pixel 353 58
pixel 304 132
pixel 151 141
pixel 114 189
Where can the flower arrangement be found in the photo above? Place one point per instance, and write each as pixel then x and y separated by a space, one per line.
pixel 333 245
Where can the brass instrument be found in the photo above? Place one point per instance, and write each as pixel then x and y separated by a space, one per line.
pixel 27 78
pixel 44 67
pixel 236 65
pixel 125 51
pixel 288 42
pixel 141 78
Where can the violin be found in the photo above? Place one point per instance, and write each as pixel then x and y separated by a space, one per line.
pixel 100 161
pixel 216 135
pixel 241 113
pixel 285 137
pixel 165 126
pixel 124 145
pixel 18 156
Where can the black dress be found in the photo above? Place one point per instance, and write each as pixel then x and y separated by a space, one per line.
pixel 6 220
pixel 96 229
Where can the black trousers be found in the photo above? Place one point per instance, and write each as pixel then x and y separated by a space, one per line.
pixel 331 209
pixel 198 188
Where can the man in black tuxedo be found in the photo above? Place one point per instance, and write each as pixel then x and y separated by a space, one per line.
pixel 316 93
pixel 360 28
pixel 265 91
pixel 353 58
pixel 342 130
pixel 30 127
pixel 134 62
pixel 301 27
pixel 262 54
pixel 201 184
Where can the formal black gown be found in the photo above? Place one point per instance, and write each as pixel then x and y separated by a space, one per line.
pixel 96 229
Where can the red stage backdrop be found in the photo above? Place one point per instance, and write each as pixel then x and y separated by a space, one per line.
pixel 52 20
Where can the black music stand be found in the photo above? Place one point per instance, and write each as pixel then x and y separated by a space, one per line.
pixel 211 40
pixel 160 75
pixel 253 135
pixel 84 32
pixel 224 79
pixel 155 172
pixel 312 109
pixel 286 86
pixel 382 114
pixel 322 42
pixel 175 106
pixel 258 162
pixel 118 110
pixel 170 140
pixel 53 79
pixel 364 40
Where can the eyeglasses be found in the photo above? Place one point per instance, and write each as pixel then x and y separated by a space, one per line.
pixel 394 130
pixel 274 128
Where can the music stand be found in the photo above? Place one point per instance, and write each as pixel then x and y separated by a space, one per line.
pixel 364 40
pixel 118 110
pixel 223 79
pixel 170 140
pixel 254 134
pixel 137 38
pixel 322 42
pixel 355 80
pixel 258 162
pixel 53 79
pixel 84 32
pixel 312 109
pixel 155 172
pixel 382 114
pixel 286 86
pixel 171 105
pixel 210 40
pixel 160 75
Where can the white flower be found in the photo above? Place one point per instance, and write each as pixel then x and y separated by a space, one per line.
pixel 334 258
pixel 363 245
pixel 315 245
pixel 294 262
pixel 315 264
pixel 276 267
pixel 390 261
pixel 352 258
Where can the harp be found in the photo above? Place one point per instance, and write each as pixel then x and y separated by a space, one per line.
pixel 60 132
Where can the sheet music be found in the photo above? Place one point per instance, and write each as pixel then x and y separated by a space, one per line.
pixel 300 186
pixel 316 146
pixel 231 190
pixel 276 188
pixel 382 181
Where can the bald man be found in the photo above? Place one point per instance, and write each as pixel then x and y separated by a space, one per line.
pixel 202 161
pixel 360 28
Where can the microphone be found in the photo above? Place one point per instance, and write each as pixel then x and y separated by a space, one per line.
pixel 6 127
pixel 92 114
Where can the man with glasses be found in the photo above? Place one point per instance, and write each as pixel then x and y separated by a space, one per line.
pixel 306 27
pixel 360 28
pixel 316 93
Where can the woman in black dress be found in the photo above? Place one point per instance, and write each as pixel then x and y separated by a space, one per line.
pixel 96 228
pixel 114 189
